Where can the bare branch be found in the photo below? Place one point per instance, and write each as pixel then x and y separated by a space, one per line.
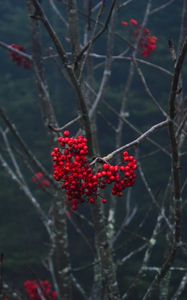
pixel 138 140
pixel 134 128
pixel 147 89
pixel 131 254
pixel 181 288
pixel 176 176
pixel 73 28
pixel 108 62
pixel 28 193
pixel 92 41
pixel 147 255
pixel 11 49
pixel 161 7
pixel 65 126
pixel 25 148
pixel 125 3
pixel 60 49
pixel 129 81
pixel 56 10
pixel 79 287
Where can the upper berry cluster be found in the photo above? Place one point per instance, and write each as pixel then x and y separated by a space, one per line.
pixel 79 179
pixel 147 43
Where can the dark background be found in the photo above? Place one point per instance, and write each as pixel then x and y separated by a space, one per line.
pixel 23 239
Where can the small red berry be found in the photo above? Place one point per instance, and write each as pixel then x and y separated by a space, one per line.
pixel 133 22
pixel 66 133
pixel 104 201
pixel 124 23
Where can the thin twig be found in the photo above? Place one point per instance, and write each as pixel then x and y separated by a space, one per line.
pixel 25 148
pixel 56 10
pixel 93 40
pixel 161 7
pixel 60 129
pixel 181 288
pixel 79 287
pixel 1 272
pixel 138 140
pixel 14 50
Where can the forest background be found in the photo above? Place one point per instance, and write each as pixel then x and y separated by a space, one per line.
pixel 23 240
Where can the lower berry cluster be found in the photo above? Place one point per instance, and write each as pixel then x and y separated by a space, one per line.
pixel 40 180
pixel 38 290
pixel 83 182
pixel 18 59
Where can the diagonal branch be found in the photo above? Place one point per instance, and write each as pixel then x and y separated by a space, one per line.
pixel 25 148
pixel 138 140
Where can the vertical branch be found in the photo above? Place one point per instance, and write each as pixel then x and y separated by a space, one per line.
pixel 1 273
pixel 147 255
pixel 46 106
pixel 181 106
pixel 100 94
pixel 59 245
pixel 183 29
pixel 39 13
pixel 175 165
pixel 120 126
pixel 129 79
pixel 60 252
pixel 108 63
pixel 91 41
pixel 104 250
pixel 109 280
pixel 54 7
pixel 89 73
pixel 164 287
pixel 73 28
pixel 107 277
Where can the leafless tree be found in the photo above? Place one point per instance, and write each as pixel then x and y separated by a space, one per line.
pixel 77 59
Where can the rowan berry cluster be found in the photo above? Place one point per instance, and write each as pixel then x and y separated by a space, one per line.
pixel 40 180
pixel 18 58
pixel 132 22
pixel 147 43
pixel 38 290
pixel 121 176
pixel 80 180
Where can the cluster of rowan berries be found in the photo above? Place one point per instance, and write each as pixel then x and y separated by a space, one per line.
pixel 40 180
pixel 79 179
pixel 121 176
pixel 147 43
pixel 38 290
pixel 18 58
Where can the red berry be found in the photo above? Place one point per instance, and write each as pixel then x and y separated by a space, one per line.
pixel 66 133
pixel 133 22
pixel 92 200
pixel 104 201
pixel 124 23
pixel 106 167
